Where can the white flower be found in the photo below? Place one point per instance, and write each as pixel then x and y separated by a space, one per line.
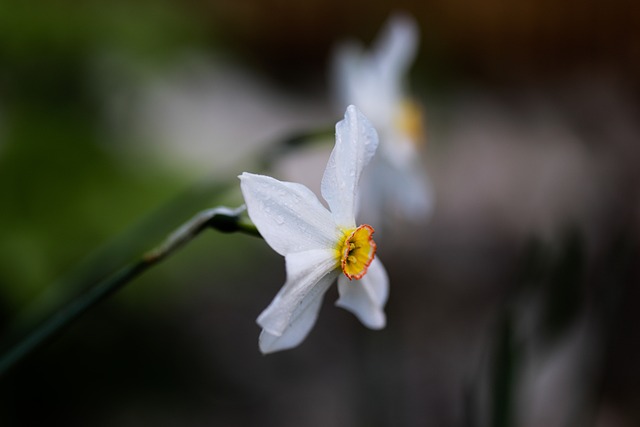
pixel 320 245
pixel 374 81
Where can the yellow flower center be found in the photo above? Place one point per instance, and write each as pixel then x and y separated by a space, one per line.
pixel 356 251
pixel 410 120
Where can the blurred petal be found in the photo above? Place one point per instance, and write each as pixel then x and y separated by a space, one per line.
pixel 416 201
pixel 356 143
pixel 381 200
pixel 366 297
pixel 288 215
pixel 309 275
pixel 346 65
pixel 359 81
pixel 373 80
pixel 396 47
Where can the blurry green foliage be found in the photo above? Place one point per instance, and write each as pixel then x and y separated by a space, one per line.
pixel 65 188
pixel 564 291
pixel 61 28
pixel 63 194
pixel 554 275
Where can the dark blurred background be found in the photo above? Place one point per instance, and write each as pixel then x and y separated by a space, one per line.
pixel 516 303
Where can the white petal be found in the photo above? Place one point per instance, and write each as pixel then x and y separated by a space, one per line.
pixel 356 143
pixel 295 333
pixel 366 297
pixel 309 275
pixel 288 215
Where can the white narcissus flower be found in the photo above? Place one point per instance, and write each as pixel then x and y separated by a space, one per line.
pixel 320 245
pixel 374 81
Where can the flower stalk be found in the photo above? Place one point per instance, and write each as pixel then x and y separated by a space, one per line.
pixel 221 218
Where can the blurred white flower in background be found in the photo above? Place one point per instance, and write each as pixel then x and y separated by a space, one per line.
pixel 318 243
pixel 396 183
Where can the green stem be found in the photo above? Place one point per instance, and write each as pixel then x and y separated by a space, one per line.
pixel 221 218
pixel 504 373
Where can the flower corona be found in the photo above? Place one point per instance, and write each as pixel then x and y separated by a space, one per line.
pixel 357 251
pixel 410 121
